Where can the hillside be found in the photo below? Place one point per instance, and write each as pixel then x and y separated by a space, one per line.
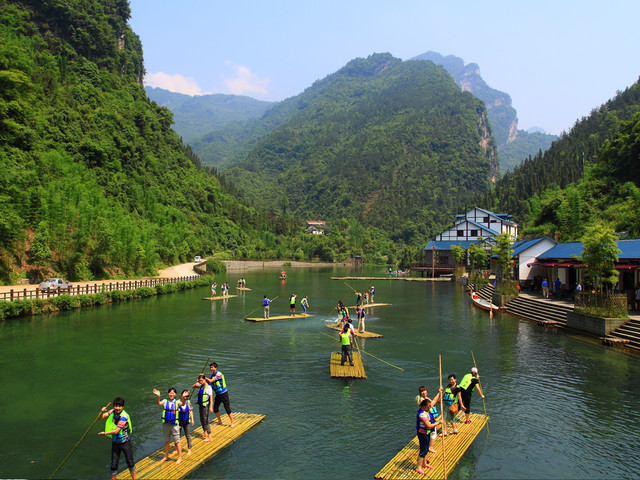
pixel 514 145
pixel 389 143
pixel 589 176
pixel 93 181
pixel 196 116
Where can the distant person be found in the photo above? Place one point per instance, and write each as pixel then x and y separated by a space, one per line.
pixel 219 385
pixel 205 403
pixel 638 298
pixel 292 304
pixel 214 287
pixel 305 304
pixel 365 294
pixel 372 292
pixel 283 274
pixel 346 341
pixel 185 417
pixel 556 286
pixel 425 425
pixel 360 314
pixel 468 384
pixel 265 305
pixel 170 423
pixel 545 288
pixel 119 427
pixel 358 295
pixel 578 287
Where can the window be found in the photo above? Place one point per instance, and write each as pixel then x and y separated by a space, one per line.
pixel 461 233
pixel 474 233
pixel 485 219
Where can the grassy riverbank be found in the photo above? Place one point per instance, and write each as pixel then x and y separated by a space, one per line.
pixel 19 308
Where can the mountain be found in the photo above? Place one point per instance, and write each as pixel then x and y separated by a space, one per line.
pixel 389 143
pixel 589 176
pixel 514 145
pixel 196 116
pixel 93 180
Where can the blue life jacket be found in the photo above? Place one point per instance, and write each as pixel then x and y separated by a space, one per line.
pixel 169 412
pixel 202 398
pixel 183 412
pixel 219 386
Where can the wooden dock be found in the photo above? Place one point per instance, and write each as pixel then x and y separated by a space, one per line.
pixel 403 465
pixel 201 452
pixel 219 297
pixel 346 370
pixel 278 317
pixel 371 305
pixel 358 334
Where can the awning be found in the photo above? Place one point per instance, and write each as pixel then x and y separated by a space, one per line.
pixel 627 266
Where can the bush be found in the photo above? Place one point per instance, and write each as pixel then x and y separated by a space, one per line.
pixel 64 302
pixel 215 266
pixel 144 292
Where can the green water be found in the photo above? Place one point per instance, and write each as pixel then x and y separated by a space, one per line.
pixel 560 407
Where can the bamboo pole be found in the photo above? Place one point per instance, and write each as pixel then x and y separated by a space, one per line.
pixel 251 312
pixel 483 404
pixel 79 441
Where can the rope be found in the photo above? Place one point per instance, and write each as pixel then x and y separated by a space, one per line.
pixel 367 353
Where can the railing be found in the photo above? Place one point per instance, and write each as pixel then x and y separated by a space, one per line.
pixel 428 266
pixel 92 288
pixel 611 304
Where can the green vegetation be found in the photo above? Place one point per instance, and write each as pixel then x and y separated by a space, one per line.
pixel 93 181
pixel 557 195
pixel 522 147
pixel 18 308
pixel 388 144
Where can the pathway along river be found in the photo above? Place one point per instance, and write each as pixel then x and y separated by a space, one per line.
pixel 561 407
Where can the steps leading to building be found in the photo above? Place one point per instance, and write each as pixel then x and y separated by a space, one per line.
pixel 539 310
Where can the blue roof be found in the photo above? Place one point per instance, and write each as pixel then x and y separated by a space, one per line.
pixel 563 250
pixel 446 245
pixel 629 249
pixel 522 245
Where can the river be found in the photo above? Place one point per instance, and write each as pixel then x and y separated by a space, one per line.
pixel 560 406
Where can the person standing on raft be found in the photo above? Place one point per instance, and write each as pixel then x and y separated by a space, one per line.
pixel 305 304
pixel 292 304
pixel 469 382
pixel 426 423
pixel 185 417
pixel 170 423
pixel 119 427
pixel 265 305
pixel 451 400
pixel 347 345
pixel 219 386
pixel 205 402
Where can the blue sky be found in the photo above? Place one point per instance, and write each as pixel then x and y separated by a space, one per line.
pixel 556 59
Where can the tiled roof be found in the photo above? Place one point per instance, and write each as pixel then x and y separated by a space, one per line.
pixel 523 245
pixel 446 244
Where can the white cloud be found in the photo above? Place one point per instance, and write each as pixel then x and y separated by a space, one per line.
pixel 246 82
pixel 174 83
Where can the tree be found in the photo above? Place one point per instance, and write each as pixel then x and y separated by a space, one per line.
pixel 600 254
pixel 458 254
pixel 502 249
pixel 477 256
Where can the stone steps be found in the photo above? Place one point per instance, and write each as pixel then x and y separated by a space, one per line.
pixel 539 310
pixel 629 331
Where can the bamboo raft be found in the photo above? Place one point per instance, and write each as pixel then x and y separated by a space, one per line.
pixel 358 334
pixel 219 297
pixel 278 317
pixel 201 452
pixel 346 370
pixel 370 305
pixel 407 279
pixel 403 465
pixel 244 289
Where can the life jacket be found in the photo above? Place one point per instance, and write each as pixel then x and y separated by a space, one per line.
pixel 169 412
pixel 183 412
pixel 265 302
pixel 202 398
pixel 448 396
pixel 420 425
pixel 345 338
pixel 466 381
pixel 220 385
pixel 112 423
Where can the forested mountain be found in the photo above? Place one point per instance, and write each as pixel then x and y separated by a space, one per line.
pixel 591 175
pixel 389 143
pixel 93 181
pixel 196 116
pixel 514 145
